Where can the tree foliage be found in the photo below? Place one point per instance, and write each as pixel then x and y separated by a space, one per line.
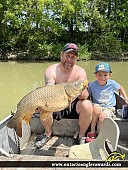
pixel 40 28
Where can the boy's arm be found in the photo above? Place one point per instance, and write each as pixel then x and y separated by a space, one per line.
pixel 123 93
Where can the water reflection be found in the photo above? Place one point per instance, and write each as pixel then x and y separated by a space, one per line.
pixel 19 78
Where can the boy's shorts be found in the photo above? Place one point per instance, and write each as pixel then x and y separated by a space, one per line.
pixel 66 114
pixel 108 111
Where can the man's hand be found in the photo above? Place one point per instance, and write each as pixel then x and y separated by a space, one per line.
pixel 84 95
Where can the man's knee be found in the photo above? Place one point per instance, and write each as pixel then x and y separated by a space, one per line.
pixel 84 105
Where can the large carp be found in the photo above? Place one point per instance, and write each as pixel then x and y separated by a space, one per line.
pixel 49 98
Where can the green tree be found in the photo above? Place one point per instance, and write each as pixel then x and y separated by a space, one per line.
pixel 39 26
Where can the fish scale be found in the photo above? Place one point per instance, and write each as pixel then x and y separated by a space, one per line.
pixel 49 98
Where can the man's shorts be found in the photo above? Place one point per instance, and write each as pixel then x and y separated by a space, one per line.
pixel 108 111
pixel 66 114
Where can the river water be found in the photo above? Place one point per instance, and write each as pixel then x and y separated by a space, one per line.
pixel 19 78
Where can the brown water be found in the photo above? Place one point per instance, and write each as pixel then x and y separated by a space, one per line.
pixel 19 78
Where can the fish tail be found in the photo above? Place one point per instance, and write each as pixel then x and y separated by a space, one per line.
pixel 17 125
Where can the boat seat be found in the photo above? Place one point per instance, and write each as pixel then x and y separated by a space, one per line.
pixel 109 134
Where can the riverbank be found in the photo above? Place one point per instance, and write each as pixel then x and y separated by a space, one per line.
pixel 27 56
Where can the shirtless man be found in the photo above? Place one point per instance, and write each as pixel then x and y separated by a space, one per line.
pixel 67 71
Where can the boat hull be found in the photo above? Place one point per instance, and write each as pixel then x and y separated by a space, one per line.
pixel 64 136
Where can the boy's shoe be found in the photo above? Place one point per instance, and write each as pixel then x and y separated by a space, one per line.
pixel 82 140
pixel 90 137
pixel 42 140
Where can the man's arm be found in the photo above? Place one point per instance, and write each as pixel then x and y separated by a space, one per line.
pixel 83 76
pixel 49 76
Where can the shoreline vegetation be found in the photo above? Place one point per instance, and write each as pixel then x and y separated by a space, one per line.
pixel 38 30
pixel 26 56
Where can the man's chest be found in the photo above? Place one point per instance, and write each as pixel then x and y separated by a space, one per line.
pixel 62 78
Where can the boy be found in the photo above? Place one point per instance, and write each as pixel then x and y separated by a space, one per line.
pixel 102 93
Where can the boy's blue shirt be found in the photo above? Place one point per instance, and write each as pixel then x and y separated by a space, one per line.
pixel 104 95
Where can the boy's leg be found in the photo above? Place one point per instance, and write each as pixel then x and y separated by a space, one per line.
pixel 95 115
pixel 106 112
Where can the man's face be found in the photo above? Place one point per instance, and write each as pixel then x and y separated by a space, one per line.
pixel 69 59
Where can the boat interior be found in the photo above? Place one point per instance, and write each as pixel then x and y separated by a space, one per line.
pixel 64 136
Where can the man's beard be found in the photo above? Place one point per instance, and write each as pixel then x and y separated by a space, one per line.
pixel 67 65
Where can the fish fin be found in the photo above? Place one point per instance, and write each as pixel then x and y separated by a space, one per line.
pixel 69 107
pixel 17 125
pixel 44 115
pixel 19 129
pixel 70 102
pixel 27 118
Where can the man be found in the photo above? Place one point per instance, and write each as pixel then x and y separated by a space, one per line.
pixel 67 71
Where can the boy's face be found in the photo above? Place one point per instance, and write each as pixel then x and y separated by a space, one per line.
pixel 102 77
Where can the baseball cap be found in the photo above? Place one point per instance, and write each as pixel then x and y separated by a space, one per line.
pixel 70 47
pixel 103 67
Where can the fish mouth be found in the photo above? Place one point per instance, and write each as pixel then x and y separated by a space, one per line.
pixel 85 83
